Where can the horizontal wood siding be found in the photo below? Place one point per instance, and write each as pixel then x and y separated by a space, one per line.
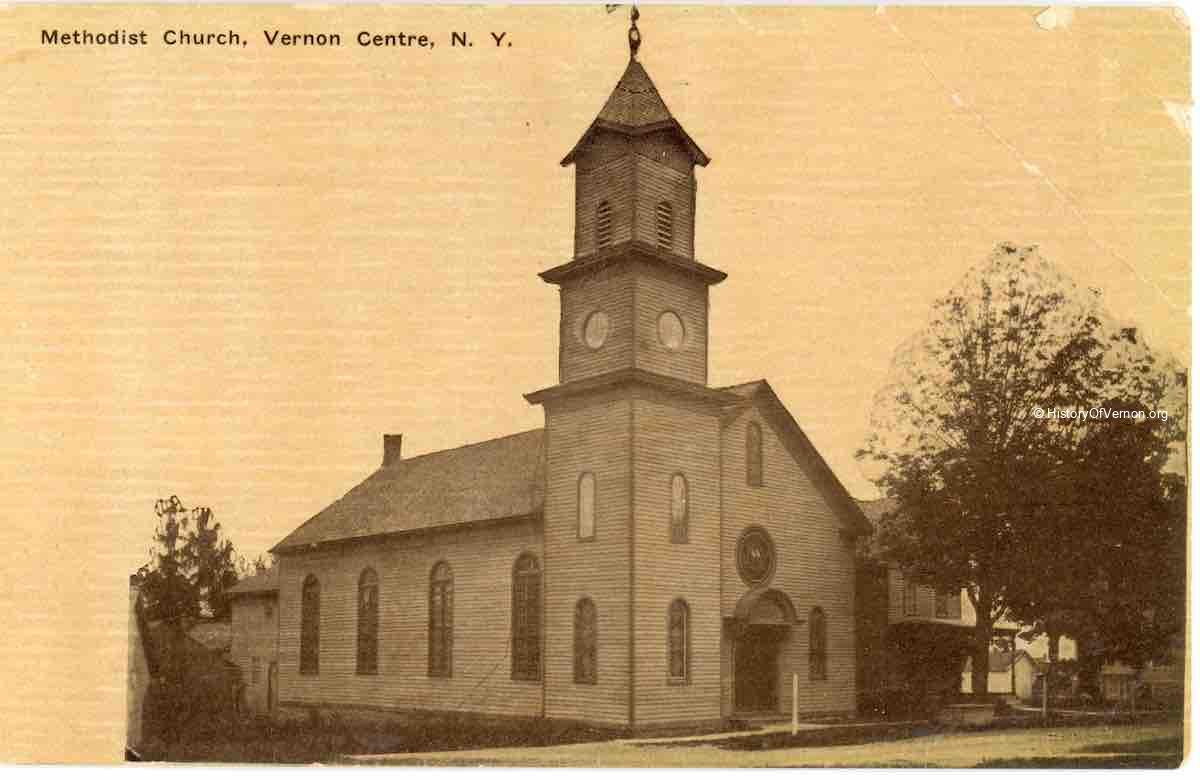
pixel 588 434
pixel 658 291
pixel 255 635
pixel 612 292
pixel 611 181
pixel 815 565
pixel 677 436
pixel 656 183
pixel 481 557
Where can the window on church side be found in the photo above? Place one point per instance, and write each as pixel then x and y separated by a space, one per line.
pixel 441 620
pixel 910 596
pixel 604 225
pixel 310 626
pixel 664 224
pixel 587 505
pixel 817 667
pixel 754 454
pixel 679 509
pixel 585 642
pixel 527 619
pixel 678 630
pixel 368 623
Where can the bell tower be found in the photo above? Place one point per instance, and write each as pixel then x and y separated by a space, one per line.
pixel 630 518
pixel 634 297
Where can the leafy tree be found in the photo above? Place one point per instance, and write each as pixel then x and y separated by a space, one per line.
pixel 969 437
pixel 191 568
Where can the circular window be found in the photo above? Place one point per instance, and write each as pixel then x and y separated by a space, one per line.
pixel 670 330
pixel 755 556
pixel 595 330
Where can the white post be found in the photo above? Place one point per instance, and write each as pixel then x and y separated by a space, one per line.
pixel 795 703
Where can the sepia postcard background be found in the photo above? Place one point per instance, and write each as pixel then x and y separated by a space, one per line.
pixel 229 270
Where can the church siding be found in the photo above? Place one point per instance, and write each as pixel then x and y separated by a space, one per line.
pixel 612 292
pixel 659 291
pixel 673 435
pixel 481 557
pixel 611 181
pixel 590 435
pixel 815 565
pixel 655 183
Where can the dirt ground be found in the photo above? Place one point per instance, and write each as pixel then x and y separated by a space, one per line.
pixel 1149 746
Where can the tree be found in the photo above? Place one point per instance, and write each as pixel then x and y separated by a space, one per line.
pixel 973 433
pixel 192 567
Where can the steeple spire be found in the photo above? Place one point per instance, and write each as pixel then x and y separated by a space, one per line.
pixel 635 37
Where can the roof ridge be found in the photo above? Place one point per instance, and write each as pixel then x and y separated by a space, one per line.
pixel 468 445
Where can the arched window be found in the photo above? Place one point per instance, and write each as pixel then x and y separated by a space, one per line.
pixel 754 454
pixel 441 620
pixel 587 505
pixel 679 509
pixel 664 224
pixel 604 225
pixel 678 638
pixel 585 641
pixel 310 626
pixel 527 619
pixel 817 667
pixel 368 623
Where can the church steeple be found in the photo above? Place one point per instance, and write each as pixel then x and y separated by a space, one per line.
pixel 634 296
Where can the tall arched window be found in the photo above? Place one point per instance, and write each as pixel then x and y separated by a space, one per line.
pixel 678 638
pixel 585 641
pixel 664 224
pixel 754 454
pixel 817 667
pixel 587 505
pixel 441 620
pixel 604 225
pixel 368 623
pixel 527 619
pixel 679 509
pixel 310 626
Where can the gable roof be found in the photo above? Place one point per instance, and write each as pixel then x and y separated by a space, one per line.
pixel 490 480
pixel 794 438
pixel 635 107
pixel 263 582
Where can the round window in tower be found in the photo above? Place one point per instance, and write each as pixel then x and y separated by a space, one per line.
pixel 670 330
pixel 595 329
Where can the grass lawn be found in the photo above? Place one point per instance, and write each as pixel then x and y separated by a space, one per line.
pixel 1126 746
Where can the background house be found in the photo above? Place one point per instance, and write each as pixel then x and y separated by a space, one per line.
pixel 255 644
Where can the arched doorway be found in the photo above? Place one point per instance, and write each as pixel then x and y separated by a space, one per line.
pixel 763 620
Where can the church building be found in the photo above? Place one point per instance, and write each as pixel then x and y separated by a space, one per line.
pixel 661 552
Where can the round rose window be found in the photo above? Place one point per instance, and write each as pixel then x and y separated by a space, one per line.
pixel 755 556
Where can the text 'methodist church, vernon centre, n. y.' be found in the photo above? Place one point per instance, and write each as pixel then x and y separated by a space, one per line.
pixel 660 553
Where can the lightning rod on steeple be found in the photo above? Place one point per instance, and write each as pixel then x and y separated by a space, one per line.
pixel 635 37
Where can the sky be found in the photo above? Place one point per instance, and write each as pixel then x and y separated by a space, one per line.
pixel 230 272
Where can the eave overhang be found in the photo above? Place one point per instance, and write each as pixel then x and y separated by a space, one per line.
pixel 630 376
pixel 693 149
pixel 632 251
pixel 281 549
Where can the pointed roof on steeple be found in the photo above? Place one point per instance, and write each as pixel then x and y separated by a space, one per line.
pixel 636 108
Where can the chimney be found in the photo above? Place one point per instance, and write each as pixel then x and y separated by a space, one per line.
pixel 391 447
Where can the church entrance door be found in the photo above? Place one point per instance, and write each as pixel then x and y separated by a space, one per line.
pixel 756 669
